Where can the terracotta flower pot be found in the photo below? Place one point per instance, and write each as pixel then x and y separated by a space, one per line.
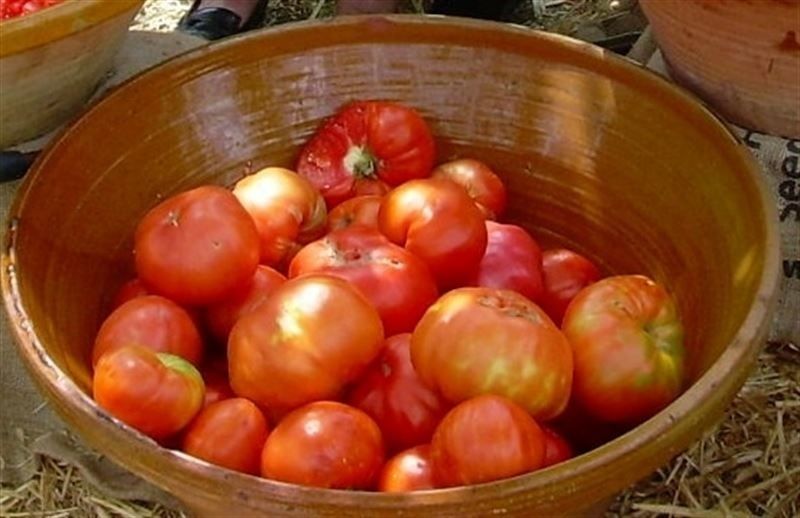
pixel 52 60
pixel 598 154
pixel 741 56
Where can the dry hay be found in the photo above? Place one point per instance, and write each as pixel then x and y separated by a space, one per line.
pixel 747 466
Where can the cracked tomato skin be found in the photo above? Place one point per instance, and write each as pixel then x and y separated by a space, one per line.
pixel 365 143
pixel 394 280
pixel 438 222
pixel 156 393
pixel 564 274
pixel 392 393
pixel 628 346
pixel 475 341
pixel 361 210
pixel 196 247
pixel 316 334
pixel 409 470
pixel 483 439
pixel 287 210
pixel 324 444
pixel 480 182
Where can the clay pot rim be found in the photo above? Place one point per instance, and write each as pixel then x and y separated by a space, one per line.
pixel 58 21
pixel 742 349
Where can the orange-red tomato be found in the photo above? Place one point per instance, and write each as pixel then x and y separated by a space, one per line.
pixel 409 470
pixel 436 220
pixel 324 444
pixel 556 447
pixel 627 340
pixel 287 210
pixel 229 433
pixel 480 182
pixel 130 290
pixel 394 280
pixel 483 439
pixel 316 334
pixel 391 392
pixel 154 322
pixel 564 274
pixel 221 317
pixel 361 210
pixel 476 341
pixel 196 247
pixel 156 393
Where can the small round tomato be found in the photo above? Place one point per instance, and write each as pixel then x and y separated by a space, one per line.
pixel 287 210
pixel 156 393
pixel 436 220
pixel 627 340
pixel 130 290
pixel 487 341
pixel 393 279
pixel 512 261
pixel 361 210
pixel 196 247
pixel 221 317
pixel 364 142
pixel 316 334
pixel 409 470
pixel 229 433
pixel 392 393
pixel 480 182
pixel 324 444
pixel 483 439
pixel 556 447
pixel 564 274
pixel 153 322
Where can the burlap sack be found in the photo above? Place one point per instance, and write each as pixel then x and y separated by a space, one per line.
pixel 27 425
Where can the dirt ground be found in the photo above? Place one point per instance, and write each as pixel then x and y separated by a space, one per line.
pixel 749 465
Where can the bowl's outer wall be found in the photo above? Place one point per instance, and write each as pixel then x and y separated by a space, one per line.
pixel 599 155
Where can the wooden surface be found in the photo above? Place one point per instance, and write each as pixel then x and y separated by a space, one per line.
pixel 569 127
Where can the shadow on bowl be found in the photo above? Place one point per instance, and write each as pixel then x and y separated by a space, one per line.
pixel 598 153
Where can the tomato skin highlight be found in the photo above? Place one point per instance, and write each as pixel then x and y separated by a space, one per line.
pixel 409 470
pixel 481 183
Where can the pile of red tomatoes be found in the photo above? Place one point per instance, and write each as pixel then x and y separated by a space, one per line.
pixel 14 8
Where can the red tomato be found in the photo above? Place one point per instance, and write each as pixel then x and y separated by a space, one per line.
pixel 313 336
pixel 436 220
pixel 628 347
pixel 476 341
pixel 480 182
pixel 365 141
pixel 229 433
pixel 556 447
pixel 153 322
pixel 361 210
pixel 196 247
pixel 14 8
pixel 156 393
pixel 564 274
pixel 512 261
pixel 287 210
pixel 324 444
pixel 391 392
pixel 221 317
pixel 483 439
pixel 130 290
pixel 393 279
pixel 409 470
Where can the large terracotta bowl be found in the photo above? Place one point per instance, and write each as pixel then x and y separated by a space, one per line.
pixel 52 60
pixel 598 153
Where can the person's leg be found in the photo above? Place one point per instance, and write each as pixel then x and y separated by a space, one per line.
pixel 366 6
pixel 215 19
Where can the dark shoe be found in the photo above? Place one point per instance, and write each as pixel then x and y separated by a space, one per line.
pixel 214 23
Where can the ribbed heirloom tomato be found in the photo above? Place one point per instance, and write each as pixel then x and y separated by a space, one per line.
pixel 395 281
pixel 314 335
pixel 476 341
pixel 628 346
pixel 480 182
pixel 365 146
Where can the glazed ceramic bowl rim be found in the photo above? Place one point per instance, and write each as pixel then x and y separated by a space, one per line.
pixel 58 384
pixel 68 17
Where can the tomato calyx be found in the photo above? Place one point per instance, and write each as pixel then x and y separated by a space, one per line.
pixel 361 162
